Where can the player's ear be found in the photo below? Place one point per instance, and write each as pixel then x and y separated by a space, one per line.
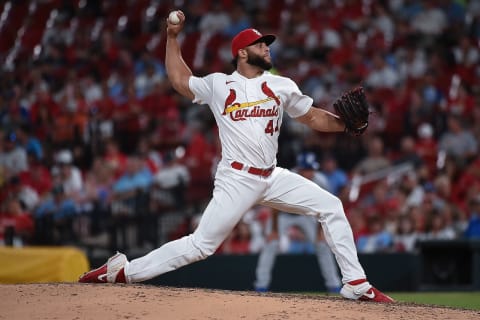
pixel 242 53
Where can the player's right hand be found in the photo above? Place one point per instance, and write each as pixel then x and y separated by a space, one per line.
pixel 174 29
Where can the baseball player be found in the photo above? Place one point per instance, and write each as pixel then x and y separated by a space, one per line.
pixel 248 106
pixel 307 166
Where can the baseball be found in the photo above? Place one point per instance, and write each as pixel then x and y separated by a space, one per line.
pixel 173 18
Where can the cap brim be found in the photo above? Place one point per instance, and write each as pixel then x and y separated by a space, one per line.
pixel 268 39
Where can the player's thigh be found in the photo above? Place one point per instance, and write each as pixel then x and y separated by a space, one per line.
pixel 233 195
pixel 290 192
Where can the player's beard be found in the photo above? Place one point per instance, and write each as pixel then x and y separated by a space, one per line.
pixel 258 61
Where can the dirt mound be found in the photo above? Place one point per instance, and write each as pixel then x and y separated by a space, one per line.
pixel 86 301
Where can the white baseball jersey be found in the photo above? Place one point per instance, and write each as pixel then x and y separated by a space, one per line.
pixel 249 112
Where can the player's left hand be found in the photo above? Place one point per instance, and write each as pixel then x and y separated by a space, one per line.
pixel 352 108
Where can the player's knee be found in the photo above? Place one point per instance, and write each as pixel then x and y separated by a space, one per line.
pixel 203 248
pixel 334 204
pixel 333 207
pixel 337 204
pixel 206 252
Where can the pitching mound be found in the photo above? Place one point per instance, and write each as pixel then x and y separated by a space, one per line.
pixel 85 301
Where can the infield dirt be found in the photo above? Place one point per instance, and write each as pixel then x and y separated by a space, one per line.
pixel 88 301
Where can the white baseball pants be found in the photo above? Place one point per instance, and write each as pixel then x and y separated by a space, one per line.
pixel 234 194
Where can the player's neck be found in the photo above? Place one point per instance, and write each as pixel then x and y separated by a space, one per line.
pixel 249 71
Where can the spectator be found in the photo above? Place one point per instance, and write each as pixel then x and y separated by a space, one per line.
pixel 98 183
pixel 171 182
pixel 458 142
pixel 412 63
pixel 473 228
pixel 431 201
pixel 130 186
pixel 419 219
pixel 13 157
pixel 92 89
pixel 101 117
pixel 238 242
pixel 258 220
pixel 54 218
pixel 382 199
pixel 465 52
pixel 159 103
pixel 215 20
pixel 22 192
pixel 16 221
pixel 15 111
pixel 71 121
pixel 383 21
pixel 426 147
pixel 129 120
pixel 308 167
pixel 405 237
pixel 146 80
pixel 375 159
pixel 38 176
pixel 29 142
pixel 460 102
pixel 97 196
pixel 408 153
pixel 418 110
pixel 68 175
pixel 200 155
pixel 239 20
pixel 114 158
pixel 443 187
pixel 297 242
pixel 337 178
pixel 377 239
pixel 456 218
pixel 437 229
pixel 43 111
pixel 382 74
pixel 414 191
pixel 467 185
pixel 431 20
pixel 151 157
pixel 358 222
pixel 136 177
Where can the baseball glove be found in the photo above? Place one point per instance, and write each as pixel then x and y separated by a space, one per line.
pixel 352 108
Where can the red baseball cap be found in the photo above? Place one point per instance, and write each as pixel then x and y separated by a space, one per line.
pixel 248 37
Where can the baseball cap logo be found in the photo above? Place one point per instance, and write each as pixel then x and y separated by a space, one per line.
pixel 257 32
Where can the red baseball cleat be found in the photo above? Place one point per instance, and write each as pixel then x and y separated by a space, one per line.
pixel 111 271
pixel 98 275
pixel 364 291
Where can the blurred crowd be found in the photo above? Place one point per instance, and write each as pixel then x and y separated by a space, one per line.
pixel 94 139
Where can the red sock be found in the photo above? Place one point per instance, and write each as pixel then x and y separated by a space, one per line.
pixel 354 282
pixel 120 278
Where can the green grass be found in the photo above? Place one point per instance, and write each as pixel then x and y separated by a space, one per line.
pixel 465 300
